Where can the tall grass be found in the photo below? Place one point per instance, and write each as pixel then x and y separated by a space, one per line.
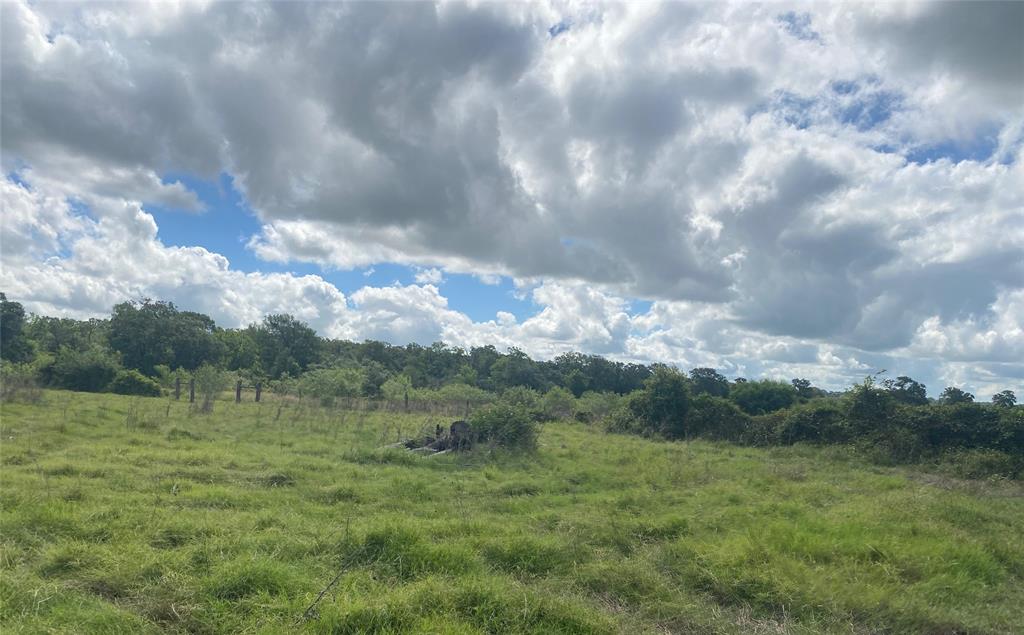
pixel 235 521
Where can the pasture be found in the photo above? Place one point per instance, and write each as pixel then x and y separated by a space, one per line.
pixel 135 515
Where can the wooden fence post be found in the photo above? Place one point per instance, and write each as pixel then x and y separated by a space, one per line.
pixel 192 390
pixel 259 389
pixel 238 391
pixel 177 388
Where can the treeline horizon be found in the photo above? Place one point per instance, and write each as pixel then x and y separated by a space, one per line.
pixel 155 337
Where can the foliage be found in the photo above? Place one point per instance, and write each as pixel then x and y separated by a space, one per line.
pixel 714 417
pixel 762 397
pixel 286 345
pixel 663 403
pixel 19 382
pixel 89 370
pixel 13 345
pixel 1004 399
pixel 708 381
pixel 328 384
pixel 953 395
pixel 148 333
pixel 210 382
pixel 132 382
pixel 906 390
pixel 594 406
pixel 558 403
pixel 397 387
pixel 506 426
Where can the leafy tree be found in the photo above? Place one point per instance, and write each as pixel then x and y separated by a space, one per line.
pixel 374 376
pixel 906 390
pixel 13 345
pixel 516 369
pixel 953 395
pixel 1004 399
pixel 761 397
pixel 286 345
pixel 869 408
pixel 662 404
pixel 147 333
pixel 804 389
pixel 708 381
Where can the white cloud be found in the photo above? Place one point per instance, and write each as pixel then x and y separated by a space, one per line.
pixel 746 172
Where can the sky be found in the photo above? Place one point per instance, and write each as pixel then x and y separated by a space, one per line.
pixel 775 190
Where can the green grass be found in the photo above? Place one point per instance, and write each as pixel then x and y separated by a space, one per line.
pixel 126 515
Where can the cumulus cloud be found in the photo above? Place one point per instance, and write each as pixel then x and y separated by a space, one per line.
pixel 817 187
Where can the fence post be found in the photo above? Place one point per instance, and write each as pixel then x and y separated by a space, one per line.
pixel 238 391
pixel 259 388
pixel 192 390
pixel 177 388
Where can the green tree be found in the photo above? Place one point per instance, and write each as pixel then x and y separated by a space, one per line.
pixel 762 397
pixel 286 345
pixel 13 345
pixel 147 333
pixel 90 370
pixel 662 404
pixel 1004 399
pixel 906 390
pixel 558 403
pixel 953 395
pixel 708 381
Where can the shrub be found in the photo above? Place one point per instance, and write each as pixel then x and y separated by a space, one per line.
pixel 762 397
pixel 818 421
pixel 982 463
pixel 715 418
pixel 524 398
pixel 132 382
pixel 328 384
pixel 663 402
pixel 210 382
pixel 90 370
pixel 558 403
pixel 595 406
pixel 505 426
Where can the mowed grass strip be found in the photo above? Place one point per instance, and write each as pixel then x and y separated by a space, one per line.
pixel 130 515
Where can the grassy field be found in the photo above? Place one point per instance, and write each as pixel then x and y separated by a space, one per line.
pixel 126 515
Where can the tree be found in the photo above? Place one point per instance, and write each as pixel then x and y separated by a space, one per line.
pixel 708 381
pixel 906 390
pixel 1004 399
pixel 13 346
pixel 662 404
pixel 286 345
pixel 558 403
pixel 952 395
pixel 762 397
pixel 90 370
pixel 148 333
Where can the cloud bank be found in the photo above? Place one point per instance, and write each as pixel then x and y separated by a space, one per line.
pixel 815 190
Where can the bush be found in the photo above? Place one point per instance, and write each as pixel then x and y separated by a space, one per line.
pixel 132 382
pixel 328 384
pixel 762 397
pixel 818 421
pixel 505 426
pixel 594 406
pixel 982 463
pixel 662 404
pixel 210 382
pixel 558 403
pixel 716 418
pixel 90 370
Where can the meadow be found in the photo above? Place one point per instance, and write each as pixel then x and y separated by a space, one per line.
pixel 135 515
